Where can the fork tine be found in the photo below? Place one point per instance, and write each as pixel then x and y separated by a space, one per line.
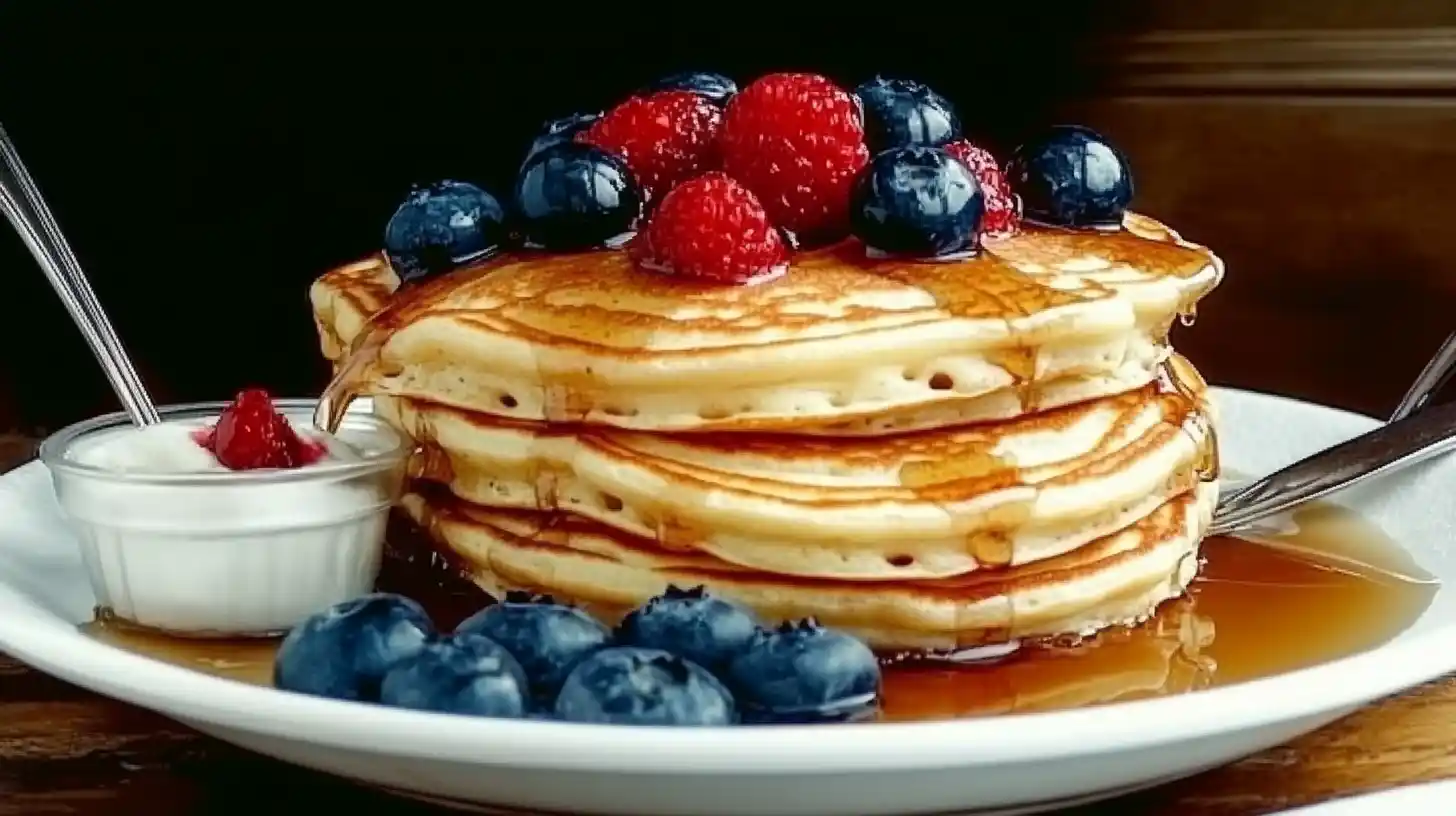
pixel 1433 378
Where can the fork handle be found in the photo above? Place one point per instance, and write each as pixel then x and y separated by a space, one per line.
pixel 23 205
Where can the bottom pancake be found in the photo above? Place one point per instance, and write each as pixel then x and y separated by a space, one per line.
pixel 1116 580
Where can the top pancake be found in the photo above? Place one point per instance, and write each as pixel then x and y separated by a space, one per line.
pixel 842 344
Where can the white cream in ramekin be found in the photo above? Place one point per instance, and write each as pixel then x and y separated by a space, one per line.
pixel 174 541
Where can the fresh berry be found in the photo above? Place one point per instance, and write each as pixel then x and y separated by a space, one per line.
pixel 632 686
pixel 796 141
pixel 804 672
pixel 917 201
pixel 692 624
pixel 441 226
pixel 575 196
pixel 560 130
pixel 460 674
pixel 710 228
pixel 547 638
pixel 666 137
pixel 1071 176
pixel 345 651
pixel 250 434
pixel 900 113
pixel 715 88
pixel 1003 209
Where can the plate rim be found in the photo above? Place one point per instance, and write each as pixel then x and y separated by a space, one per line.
pixel 790 749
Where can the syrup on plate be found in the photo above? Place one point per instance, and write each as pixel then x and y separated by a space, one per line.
pixel 1335 587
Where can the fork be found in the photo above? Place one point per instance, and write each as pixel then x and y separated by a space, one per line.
pixel 1400 442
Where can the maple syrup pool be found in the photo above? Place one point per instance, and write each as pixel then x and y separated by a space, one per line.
pixel 1337 587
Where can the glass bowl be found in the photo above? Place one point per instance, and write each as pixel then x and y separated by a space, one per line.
pixel 228 553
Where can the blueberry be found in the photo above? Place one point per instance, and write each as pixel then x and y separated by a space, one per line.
pixel 901 112
pixel 442 225
pixel 345 651
pixel 560 130
pixel 547 638
pixel 460 674
pixel 575 196
pixel 715 88
pixel 1071 176
pixel 693 624
pixel 626 685
pixel 805 672
pixel 916 201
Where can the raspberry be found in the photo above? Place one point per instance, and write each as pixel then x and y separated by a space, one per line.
pixel 665 138
pixel 1003 211
pixel 710 228
pixel 250 434
pixel 796 141
pixel 205 437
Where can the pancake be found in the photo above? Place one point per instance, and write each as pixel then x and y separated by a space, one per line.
pixel 928 504
pixel 843 344
pixel 1119 579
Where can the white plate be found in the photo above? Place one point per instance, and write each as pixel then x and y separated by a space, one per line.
pixel 1009 764
pixel 1431 798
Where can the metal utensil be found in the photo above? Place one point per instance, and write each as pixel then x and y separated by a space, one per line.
pixel 1432 379
pixel 23 205
pixel 1425 434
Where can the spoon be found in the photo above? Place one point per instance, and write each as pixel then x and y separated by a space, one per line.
pixel 1416 433
pixel 23 205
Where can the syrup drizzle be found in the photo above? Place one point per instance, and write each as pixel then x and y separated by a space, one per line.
pixel 354 371
pixel 1178 376
pixel 1335 587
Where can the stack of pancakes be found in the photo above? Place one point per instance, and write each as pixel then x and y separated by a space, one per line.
pixel 934 455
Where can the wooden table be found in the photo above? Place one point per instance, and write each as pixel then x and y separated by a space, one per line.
pixel 67 751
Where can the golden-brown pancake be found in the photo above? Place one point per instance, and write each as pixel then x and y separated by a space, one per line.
pixel 928 504
pixel 1117 579
pixel 842 344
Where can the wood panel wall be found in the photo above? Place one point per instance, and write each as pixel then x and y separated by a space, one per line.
pixel 1320 162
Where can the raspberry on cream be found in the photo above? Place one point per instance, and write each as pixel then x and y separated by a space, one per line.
pixel 250 435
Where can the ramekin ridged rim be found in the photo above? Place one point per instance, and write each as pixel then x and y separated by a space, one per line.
pixel 394 450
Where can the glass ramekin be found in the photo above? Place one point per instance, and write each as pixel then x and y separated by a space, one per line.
pixel 230 553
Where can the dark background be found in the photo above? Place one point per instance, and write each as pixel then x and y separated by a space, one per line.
pixel 206 174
